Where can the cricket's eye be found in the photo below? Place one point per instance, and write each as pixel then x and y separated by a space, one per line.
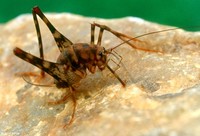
pixel 101 53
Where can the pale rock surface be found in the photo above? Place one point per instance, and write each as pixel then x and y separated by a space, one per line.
pixel 162 96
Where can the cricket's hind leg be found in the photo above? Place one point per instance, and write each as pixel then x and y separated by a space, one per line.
pixel 61 40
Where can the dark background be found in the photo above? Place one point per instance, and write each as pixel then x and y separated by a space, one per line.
pixel 179 13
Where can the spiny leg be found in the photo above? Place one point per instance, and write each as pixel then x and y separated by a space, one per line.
pixel 119 35
pixel 72 94
pixel 92 34
pixel 116 63
pixel 27 74
pixel 72 91
pixel 61 40
pixel 37 27
pixel 54 69
pixel 113 71
pixel 124 38
pixel 115 68
pixel 117 56
pixel 100 37
pixel 60 101
pixel 37 77
pixel 120 80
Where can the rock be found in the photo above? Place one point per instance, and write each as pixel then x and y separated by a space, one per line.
pixel 162 95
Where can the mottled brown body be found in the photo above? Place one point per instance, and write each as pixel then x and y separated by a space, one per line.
pixel 82 57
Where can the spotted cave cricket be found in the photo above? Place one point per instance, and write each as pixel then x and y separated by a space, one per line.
pixel 75 58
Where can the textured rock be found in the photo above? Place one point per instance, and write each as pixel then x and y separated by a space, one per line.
pixel 162 96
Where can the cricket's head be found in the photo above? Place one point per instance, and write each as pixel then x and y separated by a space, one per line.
pixel 101 56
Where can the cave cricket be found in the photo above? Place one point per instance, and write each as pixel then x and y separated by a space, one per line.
pixel 75 58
